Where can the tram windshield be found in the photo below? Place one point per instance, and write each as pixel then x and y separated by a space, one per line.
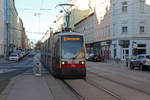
pixel 72 47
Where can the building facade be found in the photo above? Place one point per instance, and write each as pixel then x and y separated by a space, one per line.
pixel 130 28
pixel 79 11
pixel 10 32
pixel 119 28
pixel 20 33
pixel 96 28
pixel 13 26
pixel 86 26
pixel 2 41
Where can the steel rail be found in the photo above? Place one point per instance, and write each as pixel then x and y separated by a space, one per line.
pixel 122 84
pixel 107 91
pixel 73 90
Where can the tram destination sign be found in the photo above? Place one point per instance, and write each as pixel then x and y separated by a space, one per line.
pixel 69 38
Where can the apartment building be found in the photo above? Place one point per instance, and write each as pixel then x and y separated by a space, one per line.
pixel 120 28
pixel 20 33
pixel 13 26
pixel 96 28
pixel 130 28
pixel 86 26
pixel 2 42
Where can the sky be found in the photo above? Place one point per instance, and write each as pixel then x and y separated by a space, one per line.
pixel 38 16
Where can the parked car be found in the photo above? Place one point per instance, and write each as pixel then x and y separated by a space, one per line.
pixel 87 56
pixel 141 61
pixel 96 58
pixel 31 53
pixel 14 57
pixel 90 56
pixel 18 52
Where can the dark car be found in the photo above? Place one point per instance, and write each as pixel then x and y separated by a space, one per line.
pixel 96 58
pixel 141 61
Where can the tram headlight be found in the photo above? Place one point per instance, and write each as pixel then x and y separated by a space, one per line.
pixel 62 62
pixel 82 62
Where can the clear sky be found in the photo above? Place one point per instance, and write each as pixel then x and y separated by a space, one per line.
pixel 36 21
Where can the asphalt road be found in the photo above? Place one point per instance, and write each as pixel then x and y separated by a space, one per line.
pixel 126 83
pixel 105 81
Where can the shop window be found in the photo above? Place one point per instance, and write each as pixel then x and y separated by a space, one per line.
pixel 142 45
pixel 141 51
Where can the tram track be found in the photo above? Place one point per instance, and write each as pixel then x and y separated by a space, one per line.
pixel 120 83
pixel 112 94
pixel 73 90
pixel 107 91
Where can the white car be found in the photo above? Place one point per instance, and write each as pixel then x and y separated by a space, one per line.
pixel 14 57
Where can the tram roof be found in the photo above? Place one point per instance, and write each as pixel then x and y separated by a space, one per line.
pixel 71 33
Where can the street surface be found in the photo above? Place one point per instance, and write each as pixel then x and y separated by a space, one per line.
pixel 105 81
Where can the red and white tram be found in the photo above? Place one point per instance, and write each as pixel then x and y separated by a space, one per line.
pixel 65 54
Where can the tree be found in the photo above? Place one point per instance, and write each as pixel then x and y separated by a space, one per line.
pixel 38 45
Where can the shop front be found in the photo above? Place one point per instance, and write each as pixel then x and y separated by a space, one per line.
pixel 126 48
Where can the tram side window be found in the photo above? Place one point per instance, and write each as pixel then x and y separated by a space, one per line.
pixel 57 49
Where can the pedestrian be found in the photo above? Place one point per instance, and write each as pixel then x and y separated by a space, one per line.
pixel 127 60
pixel 116 59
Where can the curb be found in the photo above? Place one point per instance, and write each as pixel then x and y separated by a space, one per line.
pixel 5 62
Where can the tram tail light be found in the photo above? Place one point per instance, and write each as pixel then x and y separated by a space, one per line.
pixel 82 62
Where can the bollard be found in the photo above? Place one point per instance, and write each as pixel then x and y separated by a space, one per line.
pixel 38 69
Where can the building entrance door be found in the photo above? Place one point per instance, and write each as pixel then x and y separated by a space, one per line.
pixel 125 53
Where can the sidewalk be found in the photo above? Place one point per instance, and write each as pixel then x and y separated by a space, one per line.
pixel 112 61
pixel 27 87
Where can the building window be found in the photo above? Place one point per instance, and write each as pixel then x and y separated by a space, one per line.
pixel 113 9
pixel 142 3
pixel 142 29
pixel 124 29
pixel 142 45
pixel 124 7
pixel 113 29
